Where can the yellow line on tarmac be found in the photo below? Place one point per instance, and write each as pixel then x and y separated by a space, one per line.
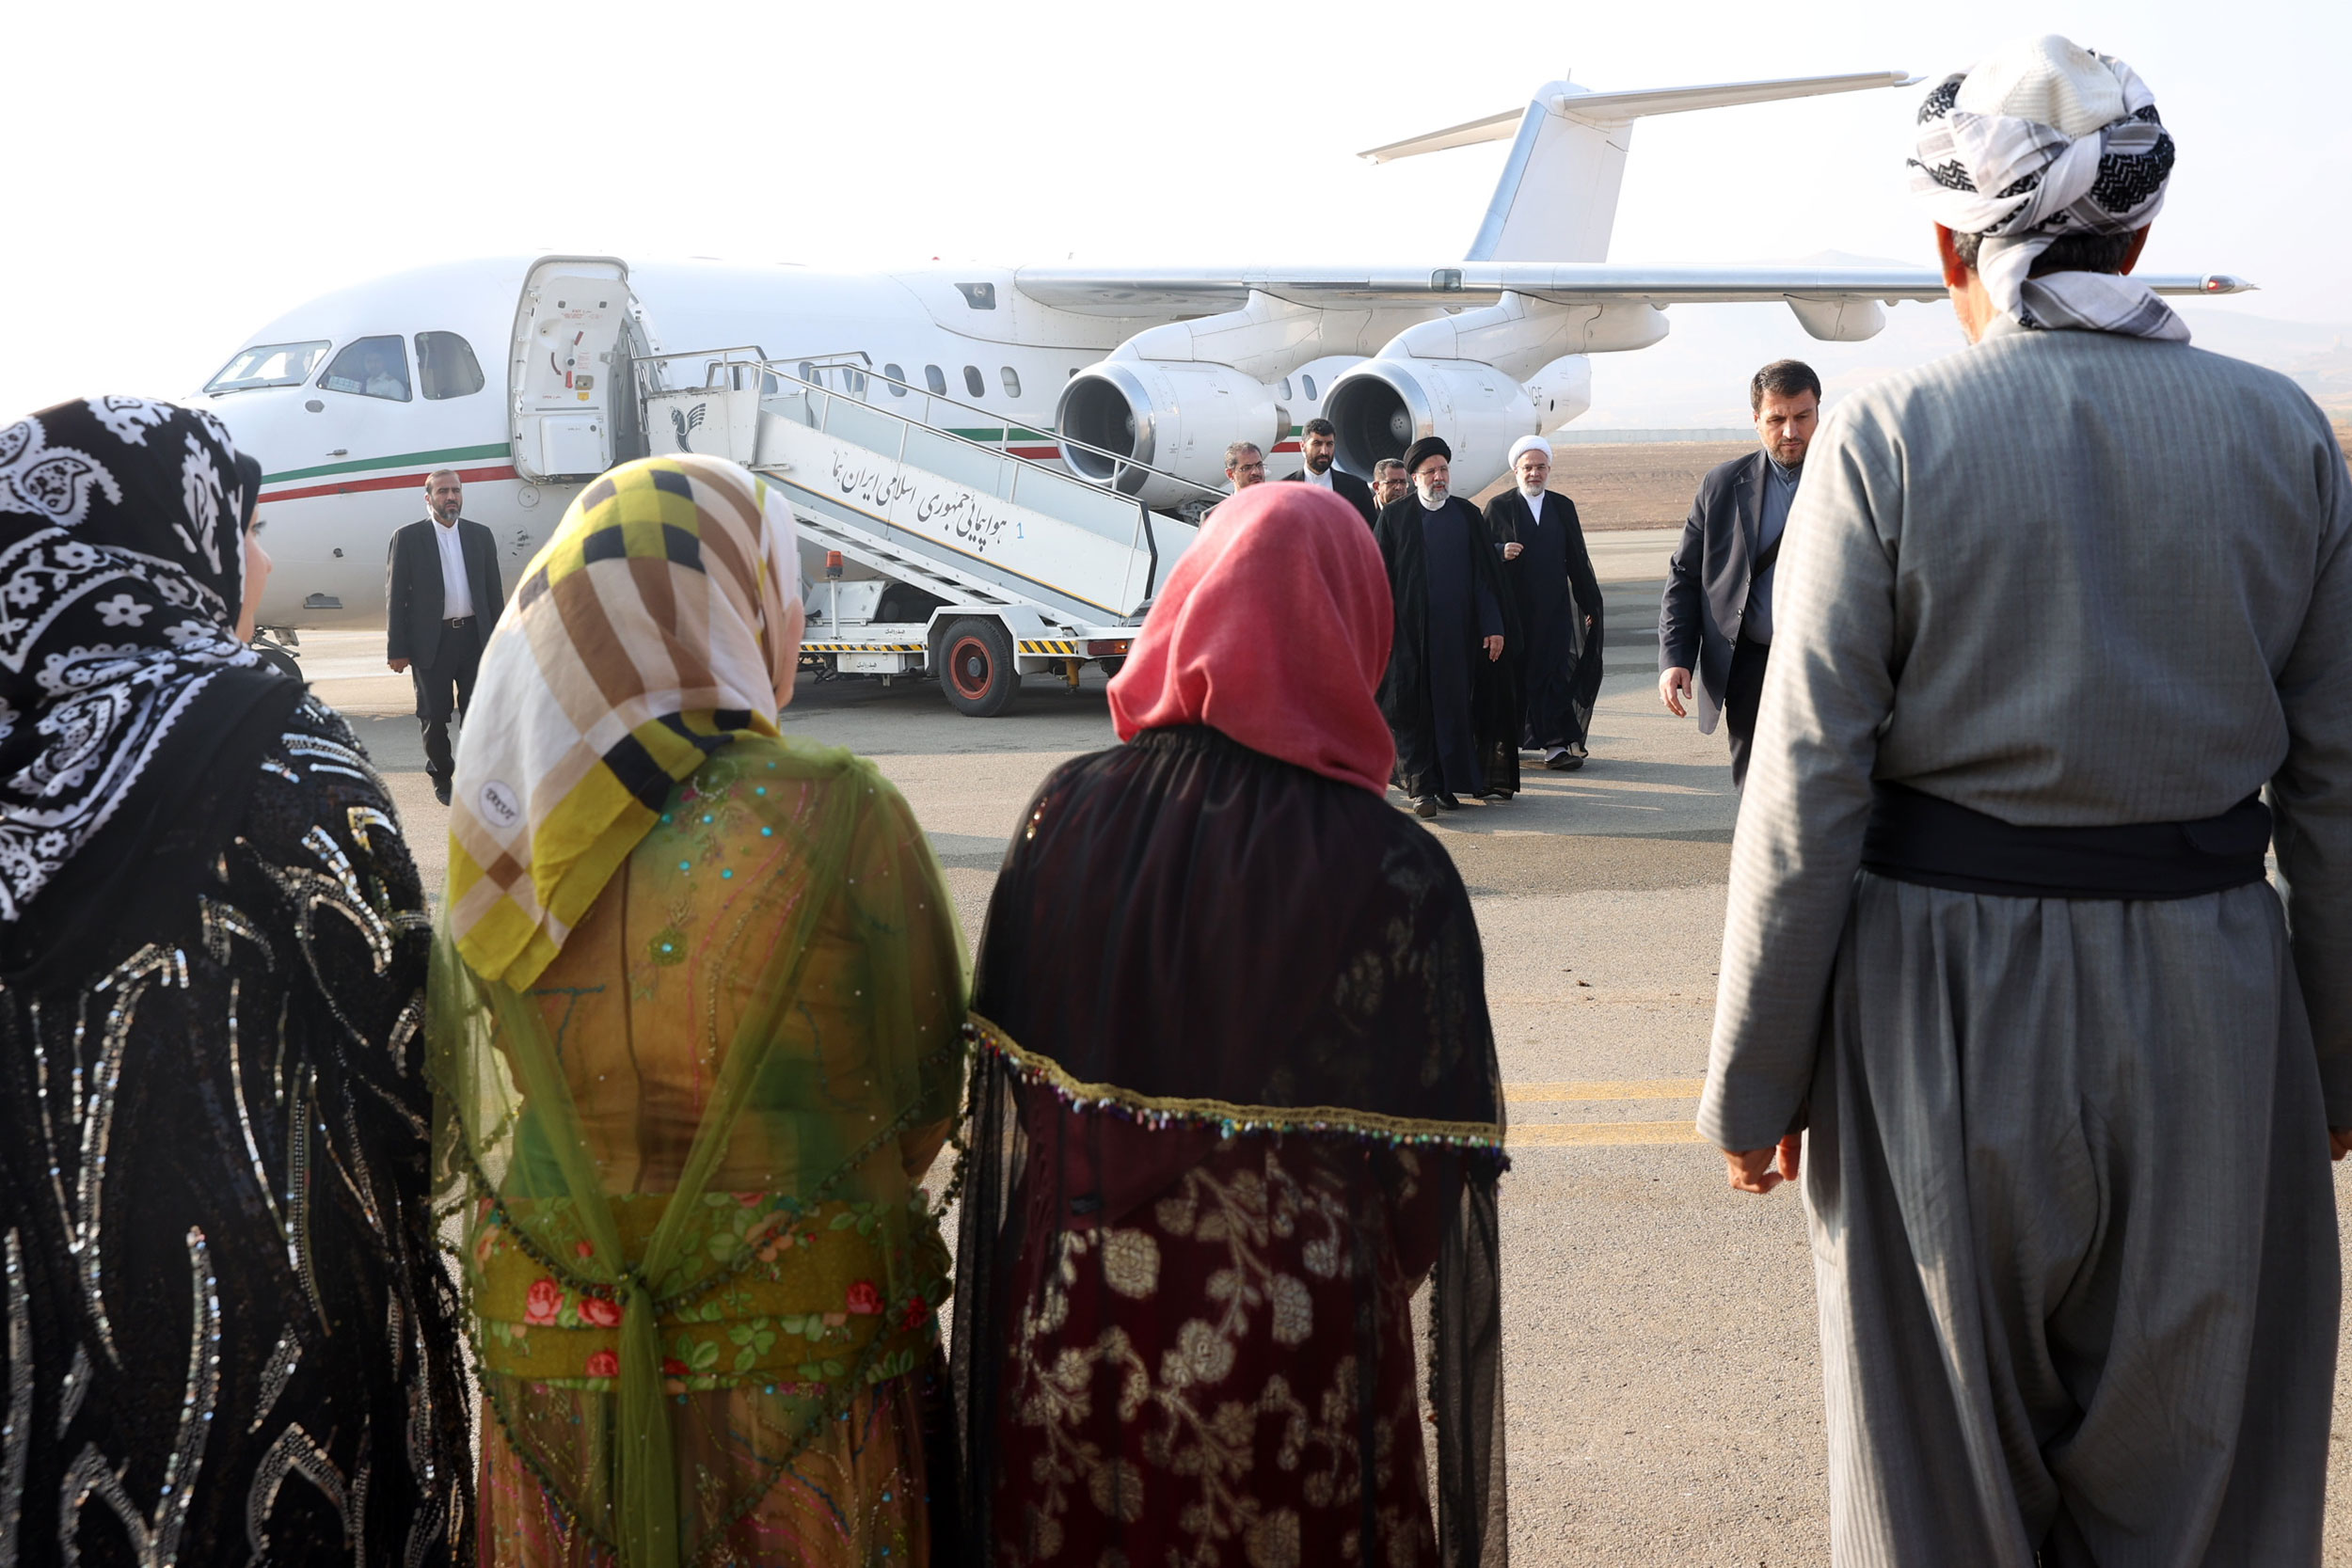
pixel 1603 1089
pixel 1553 1134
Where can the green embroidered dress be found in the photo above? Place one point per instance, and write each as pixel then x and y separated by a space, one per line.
pixel 702 1274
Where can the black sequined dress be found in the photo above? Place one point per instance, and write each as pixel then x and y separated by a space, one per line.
pixel 228 1336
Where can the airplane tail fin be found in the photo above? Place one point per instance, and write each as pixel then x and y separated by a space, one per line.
pixel 1557 198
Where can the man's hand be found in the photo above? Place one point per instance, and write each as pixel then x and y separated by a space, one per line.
pixel 2339 1142
pixel 1494 649
pixel 1674 690
pixel 400 666
pixel 1512 550
pixel 1752 1168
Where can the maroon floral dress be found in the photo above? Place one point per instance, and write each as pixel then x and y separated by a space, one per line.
pixel 1235 1101
pixel 1184 1384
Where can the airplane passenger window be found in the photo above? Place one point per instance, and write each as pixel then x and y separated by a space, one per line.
pixel 446 367
pixel 372 367
pixel 1012 382
pixel 1311 387
pixel 1286 389
pixel 972 382
pixel 935 380
pixel 268 365
pixel 897 380
pixel 808 372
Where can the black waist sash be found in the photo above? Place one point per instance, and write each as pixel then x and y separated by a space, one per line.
pixel 1915 837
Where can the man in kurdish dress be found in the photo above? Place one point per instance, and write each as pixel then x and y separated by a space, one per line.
pixel 2058 613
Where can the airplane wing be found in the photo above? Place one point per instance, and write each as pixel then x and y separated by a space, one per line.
pixel 1190 291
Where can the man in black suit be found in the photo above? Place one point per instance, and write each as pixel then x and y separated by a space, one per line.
pixel 440 600
pixel 1716 616
pixel 1317 443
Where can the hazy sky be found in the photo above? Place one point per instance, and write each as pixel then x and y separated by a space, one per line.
pixel 184 173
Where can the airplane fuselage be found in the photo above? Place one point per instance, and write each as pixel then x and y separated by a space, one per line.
pixel 344 464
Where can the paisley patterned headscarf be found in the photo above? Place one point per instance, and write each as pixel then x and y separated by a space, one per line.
pixel 122 574
pixel 2039 140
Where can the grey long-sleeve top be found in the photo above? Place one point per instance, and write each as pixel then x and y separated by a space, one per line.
pixel 2062 579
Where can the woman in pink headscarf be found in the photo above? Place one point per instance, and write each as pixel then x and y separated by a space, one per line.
pixel 1237 1098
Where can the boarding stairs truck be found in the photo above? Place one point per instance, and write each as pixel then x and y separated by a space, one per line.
pixel 927 552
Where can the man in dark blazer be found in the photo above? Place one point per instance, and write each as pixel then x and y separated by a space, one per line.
pixel 441 597
pixel 1715 618
pixel 1317 443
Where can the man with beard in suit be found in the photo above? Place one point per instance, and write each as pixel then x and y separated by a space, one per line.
pixel 442 597
pixel 1715 618
pixel 1447 697
pixel 1318 442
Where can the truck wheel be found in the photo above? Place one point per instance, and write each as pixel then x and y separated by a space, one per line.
pixel 1112 665
pixel 977 668
pixel 279 660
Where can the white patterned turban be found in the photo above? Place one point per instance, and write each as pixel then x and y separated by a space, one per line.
pixel 2039 140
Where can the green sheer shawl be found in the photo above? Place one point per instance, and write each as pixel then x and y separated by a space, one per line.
pixel 683 1160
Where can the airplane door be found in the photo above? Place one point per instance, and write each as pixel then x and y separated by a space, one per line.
pixel 565 372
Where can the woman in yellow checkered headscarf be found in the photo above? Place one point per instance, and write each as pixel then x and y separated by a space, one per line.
pixel 695 1026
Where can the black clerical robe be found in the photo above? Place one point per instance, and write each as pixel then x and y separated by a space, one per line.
pixel 1554 591
pixel 1455 712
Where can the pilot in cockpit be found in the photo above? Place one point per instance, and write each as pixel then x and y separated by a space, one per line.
pixel 383 382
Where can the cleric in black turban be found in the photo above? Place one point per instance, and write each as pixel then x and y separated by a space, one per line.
pixel 1448 696
pixel 1427 447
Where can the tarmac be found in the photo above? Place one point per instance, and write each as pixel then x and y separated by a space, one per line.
pixel 1661 1361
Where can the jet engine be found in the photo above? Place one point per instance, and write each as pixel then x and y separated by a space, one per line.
pixel 1173 416
pixel 1383 405
pixel 1481 379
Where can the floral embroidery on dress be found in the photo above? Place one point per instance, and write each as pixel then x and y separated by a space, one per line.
pixel 1232 1258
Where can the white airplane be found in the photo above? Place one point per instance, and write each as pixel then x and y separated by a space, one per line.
pixel 530 376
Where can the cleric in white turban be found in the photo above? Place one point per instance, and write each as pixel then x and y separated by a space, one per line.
pixel 1557 652
pixel 2063 646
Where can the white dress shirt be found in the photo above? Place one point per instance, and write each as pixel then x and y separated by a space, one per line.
pixel 1312 477
pixel 457 593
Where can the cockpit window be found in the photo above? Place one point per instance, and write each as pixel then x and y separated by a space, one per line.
pixel 269 365
pixel 446 367
pixel 372 367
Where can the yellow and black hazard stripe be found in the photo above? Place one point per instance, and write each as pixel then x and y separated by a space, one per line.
pixel 1049 646
pixel 862 647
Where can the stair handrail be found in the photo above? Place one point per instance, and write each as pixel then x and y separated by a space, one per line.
pixel 785 368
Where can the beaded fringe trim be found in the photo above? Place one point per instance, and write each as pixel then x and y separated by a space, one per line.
pixel 1160 1111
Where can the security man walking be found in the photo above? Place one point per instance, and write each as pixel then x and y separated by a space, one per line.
pixel 441 598
pixel 1715 618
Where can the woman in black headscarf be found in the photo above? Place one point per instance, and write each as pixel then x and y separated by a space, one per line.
pixel 228 1336
pixel 1236 1101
